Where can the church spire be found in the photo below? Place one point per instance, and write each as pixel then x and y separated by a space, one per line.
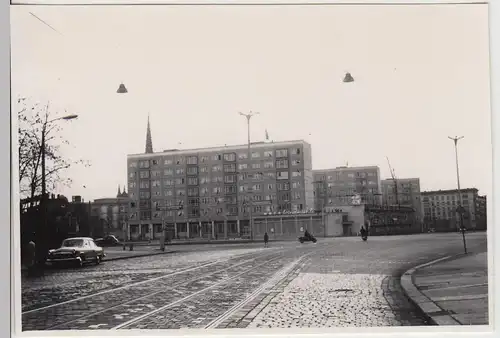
pixel 149 141
pixel 119 192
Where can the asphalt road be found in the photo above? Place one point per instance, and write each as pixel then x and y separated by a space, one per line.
pixel 337 282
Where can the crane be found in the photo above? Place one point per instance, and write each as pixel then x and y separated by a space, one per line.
pixel 394 179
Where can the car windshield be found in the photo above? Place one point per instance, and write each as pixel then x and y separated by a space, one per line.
pixel 73 243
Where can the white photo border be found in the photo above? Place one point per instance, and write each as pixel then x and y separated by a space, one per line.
pixel 9 246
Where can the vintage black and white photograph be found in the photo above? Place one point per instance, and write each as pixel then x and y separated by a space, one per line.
pixel 252 166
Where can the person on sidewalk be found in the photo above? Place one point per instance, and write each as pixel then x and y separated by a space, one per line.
pixel 266 240
pixel 31 257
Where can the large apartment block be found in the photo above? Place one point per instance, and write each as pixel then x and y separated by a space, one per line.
pixel 440 209
pixel 198 191
pixel 337 186
pixel 404 192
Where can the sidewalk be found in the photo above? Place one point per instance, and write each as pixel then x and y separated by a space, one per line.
pixel 117 252
pixel 451 291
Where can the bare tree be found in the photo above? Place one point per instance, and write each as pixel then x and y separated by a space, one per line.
pixel 33 121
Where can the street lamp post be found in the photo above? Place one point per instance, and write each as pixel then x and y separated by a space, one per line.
pixel 248 117
pixel 460 207
pixel 41 242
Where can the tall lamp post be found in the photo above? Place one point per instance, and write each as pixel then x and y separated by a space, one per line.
pixel 248 117
pixel 460 208
pixel 41 242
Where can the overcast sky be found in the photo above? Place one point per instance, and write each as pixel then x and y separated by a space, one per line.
pixel 421 75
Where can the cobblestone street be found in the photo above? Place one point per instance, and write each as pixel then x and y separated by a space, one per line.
pixel 337 282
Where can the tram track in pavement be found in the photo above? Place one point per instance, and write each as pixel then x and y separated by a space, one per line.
pixel 200 311
pixel 73 311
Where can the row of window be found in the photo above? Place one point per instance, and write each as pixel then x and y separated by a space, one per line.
pixel 194 181
pixel 444 198
pixel 231 189
pixel 341 175
pixel 200 212
pixel 281 175
pixel 230 157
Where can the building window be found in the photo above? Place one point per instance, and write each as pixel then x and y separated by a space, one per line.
pixel 144 164
pixel 192 170
pixel 350 175
pixel 282 175
pixel 216 190
pixel 192 180
pixel 283 186
pixel 229 168
pixel 242 156
pixel 296 185
pixel 204 180
pixel 218 211
pixel 296 151
pixel 243 188
pixel 296 173
pixel 132 175
pixel 268 165
pixel 193 192
pixel 270 187
pixel 282 153
pixel 204 191
pixel 180 181
pixel 168 161
pixel 204 169
pixel 144 185
pixel 217 157
pixel 257 209
pixel 271 175
pixel 257 176
pixel 216 179
pixel 132 185
pixel 155 162
pixel 144 174
pixel 157 193
pixel 132 164
pixel 255 154
pixel 296 195
pixel 255 165
pixel 181 192
pixel 230 157
pixel 203 159
pixel 230 189
pixel 168 182
pixel 282 164
pixel 256 187
pixel 168 192
pixel 144 194
pixel 296 162
pixel 168 172
pixel 155 183
pixel 179 171
pixel 242 166
pixel 217 168
pixel 192 160
pixel 268 153
pixel 179 161
pixel 230 178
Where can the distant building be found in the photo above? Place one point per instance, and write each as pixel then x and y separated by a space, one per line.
pixel 406 193
pixel 111 215
pixel 196 190
pixel 338 186
pixel 440 209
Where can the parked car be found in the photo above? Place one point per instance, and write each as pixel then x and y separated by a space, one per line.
pixel 109 240
pixel 77 250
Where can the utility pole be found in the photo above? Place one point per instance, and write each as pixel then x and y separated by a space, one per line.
pixel 248 117
pixel 460 208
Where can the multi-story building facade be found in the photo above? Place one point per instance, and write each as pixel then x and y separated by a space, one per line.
pixel 213 192
pixel 111 215
pixel 404 192
pixel 440 209
pixel 338 186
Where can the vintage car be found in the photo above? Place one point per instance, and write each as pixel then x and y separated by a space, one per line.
pixel 77 250
pixel 109 240
pixel 307 238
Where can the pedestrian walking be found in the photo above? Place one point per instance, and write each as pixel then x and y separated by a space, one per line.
pixel 31 257
pixel 266 240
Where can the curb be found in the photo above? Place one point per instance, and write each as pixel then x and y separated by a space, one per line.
pixel 434 314
pixel 137 256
